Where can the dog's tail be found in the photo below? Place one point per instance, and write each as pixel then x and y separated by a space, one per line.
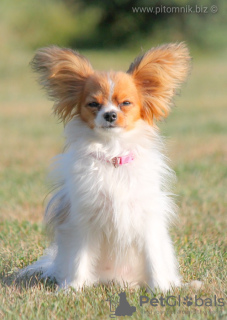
pixel 56 213
pixel 44 266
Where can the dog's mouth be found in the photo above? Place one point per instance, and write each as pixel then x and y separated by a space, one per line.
pixel 109 126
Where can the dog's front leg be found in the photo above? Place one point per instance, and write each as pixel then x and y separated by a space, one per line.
pixel 161 263
pixel 76 258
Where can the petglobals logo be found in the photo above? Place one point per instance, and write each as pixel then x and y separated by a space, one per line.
pixel 173 301
pixel 123 308
pixel 120 307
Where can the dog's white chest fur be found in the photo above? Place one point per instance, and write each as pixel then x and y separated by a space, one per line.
pixel 115 200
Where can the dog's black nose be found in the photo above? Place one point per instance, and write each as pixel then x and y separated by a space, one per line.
pixel 110 116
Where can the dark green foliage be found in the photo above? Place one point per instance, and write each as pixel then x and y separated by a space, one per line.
pixel 112 24
pixel 120 23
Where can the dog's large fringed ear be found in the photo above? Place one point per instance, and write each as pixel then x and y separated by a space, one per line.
pixel 157 74
pixel 63 73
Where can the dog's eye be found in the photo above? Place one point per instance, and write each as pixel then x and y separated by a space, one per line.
pixel 94 104
pixel 125 103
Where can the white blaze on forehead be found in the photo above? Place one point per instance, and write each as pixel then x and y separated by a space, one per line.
pixel 112 85
pixel 108 107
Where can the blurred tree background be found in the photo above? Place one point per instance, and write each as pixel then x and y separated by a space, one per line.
pixel 109 24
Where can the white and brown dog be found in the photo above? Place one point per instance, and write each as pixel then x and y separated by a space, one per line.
pixel 112 206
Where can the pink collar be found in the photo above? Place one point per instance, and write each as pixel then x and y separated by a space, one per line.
pixel 117 161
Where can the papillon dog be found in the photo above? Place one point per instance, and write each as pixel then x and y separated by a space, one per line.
pixel 111 208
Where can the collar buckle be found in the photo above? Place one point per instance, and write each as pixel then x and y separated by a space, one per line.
pixel 116 161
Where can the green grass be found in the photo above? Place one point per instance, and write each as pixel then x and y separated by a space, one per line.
pixel 196 141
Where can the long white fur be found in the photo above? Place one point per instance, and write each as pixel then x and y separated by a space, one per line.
pixel 110 223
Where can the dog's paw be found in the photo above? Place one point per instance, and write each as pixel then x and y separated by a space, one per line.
pixel 195 284
pixel 70 287
pixel 164 286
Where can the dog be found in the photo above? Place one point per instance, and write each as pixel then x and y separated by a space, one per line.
pixel 111 208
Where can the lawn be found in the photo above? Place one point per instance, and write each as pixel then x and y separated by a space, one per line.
pixel 195 135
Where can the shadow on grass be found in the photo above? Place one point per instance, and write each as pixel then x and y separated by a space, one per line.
pixel 20 282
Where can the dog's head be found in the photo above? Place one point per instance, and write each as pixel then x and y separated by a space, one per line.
pixel 113 100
